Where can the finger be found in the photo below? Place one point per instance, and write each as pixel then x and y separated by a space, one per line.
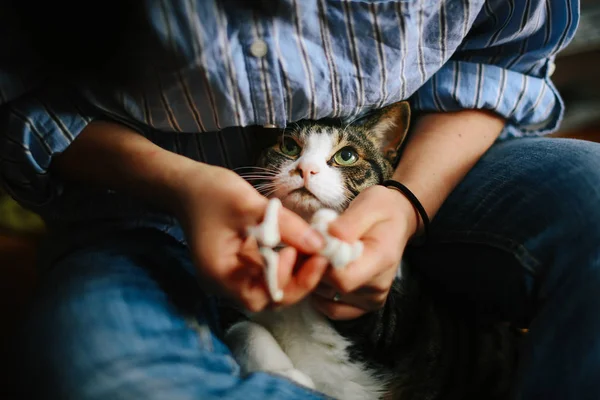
pixel 285 269
pixel 379 255
pixel 337 310
pixel 249 252
pixel 298 233
pixel 358 218
pixel 247 285
pixel 358 273
pixel 305 279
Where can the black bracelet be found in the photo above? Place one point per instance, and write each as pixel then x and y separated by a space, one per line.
pixel 414 201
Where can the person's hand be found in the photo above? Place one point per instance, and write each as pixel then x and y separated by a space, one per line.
pixel 384 220
pixel 215 206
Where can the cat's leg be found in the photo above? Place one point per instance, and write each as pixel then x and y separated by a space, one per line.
pixel 255 349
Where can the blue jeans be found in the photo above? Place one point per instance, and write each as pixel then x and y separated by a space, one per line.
pixel 519 238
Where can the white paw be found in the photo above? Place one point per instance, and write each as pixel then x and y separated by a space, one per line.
pixel 297 376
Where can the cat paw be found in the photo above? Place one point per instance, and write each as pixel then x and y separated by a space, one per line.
pixel 297 376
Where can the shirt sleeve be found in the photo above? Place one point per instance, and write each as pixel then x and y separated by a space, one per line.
pixel 504 65
pixel 34 128
pixel 38 120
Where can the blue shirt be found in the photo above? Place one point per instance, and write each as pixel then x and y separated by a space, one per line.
pixel 205 67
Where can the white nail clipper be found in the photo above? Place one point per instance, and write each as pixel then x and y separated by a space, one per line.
pixel 267 235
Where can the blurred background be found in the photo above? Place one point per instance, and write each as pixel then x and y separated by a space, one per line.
pixel 577 77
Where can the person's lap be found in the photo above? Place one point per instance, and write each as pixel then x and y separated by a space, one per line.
pixel 518 236
pixel 125 319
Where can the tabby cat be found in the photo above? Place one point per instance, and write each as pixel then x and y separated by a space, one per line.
pixel 415 347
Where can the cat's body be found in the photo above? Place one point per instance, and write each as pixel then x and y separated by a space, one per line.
pixel 415 348
pixel 308 350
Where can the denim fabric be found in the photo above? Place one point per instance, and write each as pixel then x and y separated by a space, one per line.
pixel 518 238
pixel 124 318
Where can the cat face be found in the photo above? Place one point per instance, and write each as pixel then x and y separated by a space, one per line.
pixel 318 164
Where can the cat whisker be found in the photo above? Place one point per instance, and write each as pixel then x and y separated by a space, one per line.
pixel 266 169
pixel 270 182
pixel 261 173
pixel 265 189
pixel 265 185
pixel 254 177
pixel 269 193
pixel 267 180
pixel 249 167
pixel 255 169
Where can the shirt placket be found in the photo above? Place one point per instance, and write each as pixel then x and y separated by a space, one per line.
pixel 264 83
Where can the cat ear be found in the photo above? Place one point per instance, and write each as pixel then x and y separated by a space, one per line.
pixel 388 128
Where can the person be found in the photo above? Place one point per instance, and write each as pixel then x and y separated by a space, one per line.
pixel 123 133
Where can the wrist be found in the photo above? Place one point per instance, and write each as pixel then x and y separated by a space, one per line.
pixel 417 220
pixel 112 156
pixel 183 181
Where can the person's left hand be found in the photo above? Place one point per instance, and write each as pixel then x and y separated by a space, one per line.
pixel 384 220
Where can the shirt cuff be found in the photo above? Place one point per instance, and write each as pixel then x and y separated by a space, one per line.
pixel 530 104
pixel 33 130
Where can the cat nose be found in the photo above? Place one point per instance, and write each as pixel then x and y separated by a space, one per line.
pixel 306 169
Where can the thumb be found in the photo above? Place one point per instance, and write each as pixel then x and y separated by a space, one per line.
pixel 298 233
pixel 358 218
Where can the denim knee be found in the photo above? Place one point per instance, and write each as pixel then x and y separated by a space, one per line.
pixel 107 324
pixel 569 209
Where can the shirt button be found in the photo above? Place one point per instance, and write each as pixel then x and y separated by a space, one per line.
pixel 551 68
pixel 258 48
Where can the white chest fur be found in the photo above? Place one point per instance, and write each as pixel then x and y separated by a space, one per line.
pixel 301 344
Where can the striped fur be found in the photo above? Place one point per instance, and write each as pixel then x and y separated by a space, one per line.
pixel 375 138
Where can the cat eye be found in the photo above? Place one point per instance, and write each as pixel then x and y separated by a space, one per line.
pixel 346 156
pixel 289 147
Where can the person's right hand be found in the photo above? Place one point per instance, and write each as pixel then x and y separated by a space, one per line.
pixel 215 206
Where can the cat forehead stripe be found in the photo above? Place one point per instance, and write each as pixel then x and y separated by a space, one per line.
pixel 319 145
pixel 335 133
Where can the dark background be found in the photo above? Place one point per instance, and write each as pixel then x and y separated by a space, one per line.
pixel 577 74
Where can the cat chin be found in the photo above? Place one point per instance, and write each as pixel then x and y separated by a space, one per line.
pixel 302 204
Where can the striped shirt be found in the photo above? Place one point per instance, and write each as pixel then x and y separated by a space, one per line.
pixel 205 65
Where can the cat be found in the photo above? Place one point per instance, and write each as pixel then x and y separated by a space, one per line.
pixel 416 347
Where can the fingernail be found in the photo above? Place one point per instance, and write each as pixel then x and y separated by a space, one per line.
pixel 314 239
